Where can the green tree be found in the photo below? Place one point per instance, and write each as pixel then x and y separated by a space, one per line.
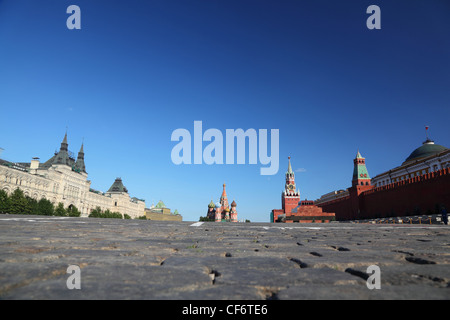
pixel 45 207
pixel 4 202
pixel 96 213
pixel 32 206
pixel 60 211
pixel 117 215
pixel 18 203
pixel 73 211
pixel 113 215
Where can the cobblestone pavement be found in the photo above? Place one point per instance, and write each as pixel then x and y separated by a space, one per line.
pixel 138 259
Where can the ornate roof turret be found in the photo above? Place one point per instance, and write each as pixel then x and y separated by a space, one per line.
pixel 118 186
pixel 233 204
pixel 211 204
pixel 62 157
pixel 79 164
pixel 360 171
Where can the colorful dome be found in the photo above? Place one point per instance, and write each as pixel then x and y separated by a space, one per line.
pixel 233 204
pixel 227 210
pixel 211 204
pixel 218 205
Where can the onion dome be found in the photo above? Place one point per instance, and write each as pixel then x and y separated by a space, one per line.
pixel 218 205
pixel 211 204
pixel 227 210
pixel 233 204
pixel 427 149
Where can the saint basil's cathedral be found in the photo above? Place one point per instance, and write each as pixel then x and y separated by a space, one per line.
pixel 221 211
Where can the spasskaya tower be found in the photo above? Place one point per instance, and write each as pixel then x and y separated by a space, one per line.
pixel 290 197
pixel 295 210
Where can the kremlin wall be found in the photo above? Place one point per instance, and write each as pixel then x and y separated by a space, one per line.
pixel 423 194
pixel 421 185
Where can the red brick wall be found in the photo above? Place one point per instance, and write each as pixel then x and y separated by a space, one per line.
pixel 342 208
pixel 290 203
pixel 418 195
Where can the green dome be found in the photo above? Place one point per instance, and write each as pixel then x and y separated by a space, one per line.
pixel 160 205
pixel 211 205
pixel 427 149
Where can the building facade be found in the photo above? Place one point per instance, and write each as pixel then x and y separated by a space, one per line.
pixel 429 157
pixel 161 213
pixel 222 211
pixel 64 179
pixel 420 185
pixel 294 210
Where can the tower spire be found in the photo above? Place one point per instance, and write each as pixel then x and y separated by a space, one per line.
pixel 224 192
pixel 62 157
pixel 289 166
pixel 223 198
pixel 290 196
pixel 79 164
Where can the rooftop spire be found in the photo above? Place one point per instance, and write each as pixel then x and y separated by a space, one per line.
pixel 79 164
pixel 224 193
pixel 289 166
pixel 62 157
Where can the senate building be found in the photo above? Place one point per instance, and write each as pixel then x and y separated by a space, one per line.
pixel 62 178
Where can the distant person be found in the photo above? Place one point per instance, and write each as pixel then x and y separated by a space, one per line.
pixel 444 215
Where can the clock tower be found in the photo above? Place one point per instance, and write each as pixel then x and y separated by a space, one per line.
pixel 290 197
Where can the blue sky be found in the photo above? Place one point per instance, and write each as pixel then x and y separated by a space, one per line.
pixel 138 70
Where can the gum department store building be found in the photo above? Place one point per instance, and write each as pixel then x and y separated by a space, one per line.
pixel 63 179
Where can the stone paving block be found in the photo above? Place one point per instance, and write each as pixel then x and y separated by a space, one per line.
pixel 361 292
pixel 135 259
